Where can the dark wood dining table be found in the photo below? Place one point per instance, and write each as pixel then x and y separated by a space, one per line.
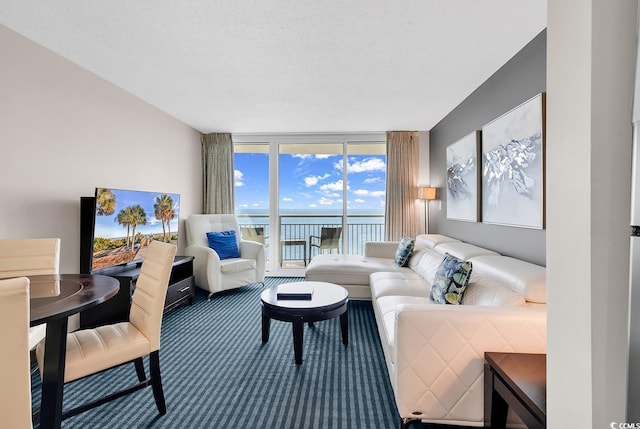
pixel 53 298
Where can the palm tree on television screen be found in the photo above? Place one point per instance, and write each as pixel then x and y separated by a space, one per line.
pixel 105 202
pixel 125 218
pixel 139 217
pixel 165 213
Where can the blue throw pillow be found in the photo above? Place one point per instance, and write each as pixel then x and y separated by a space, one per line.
pixel 224 243
pixel 450 281
pixel 405 248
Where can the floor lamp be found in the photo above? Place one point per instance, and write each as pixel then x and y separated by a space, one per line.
pixel 427 194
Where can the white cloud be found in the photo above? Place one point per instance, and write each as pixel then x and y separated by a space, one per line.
pixel 373 180
pixel 313 180
pixel 244 206
pixel 359 200
pixel 369 164
pixel 238 177
pixel 334 186
pixel 325 201
pixel 377 194
pixel 313 206
pixel 361 192
pixel 287 199
pixel 301 155
pixel 256 204
pixel 310 181
pixel 323 156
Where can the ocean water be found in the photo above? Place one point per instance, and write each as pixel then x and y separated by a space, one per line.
pixel 361 227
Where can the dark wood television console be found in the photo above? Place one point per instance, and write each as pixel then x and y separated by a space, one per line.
pixel 180 291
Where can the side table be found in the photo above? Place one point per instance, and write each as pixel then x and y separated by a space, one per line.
pixel 519 381
pixel 293 242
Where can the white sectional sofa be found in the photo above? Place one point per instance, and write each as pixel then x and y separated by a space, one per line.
pixel 435 352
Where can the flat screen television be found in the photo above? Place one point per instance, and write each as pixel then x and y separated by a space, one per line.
pixel 117 226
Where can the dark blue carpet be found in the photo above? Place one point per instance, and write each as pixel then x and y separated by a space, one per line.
pixel 218 374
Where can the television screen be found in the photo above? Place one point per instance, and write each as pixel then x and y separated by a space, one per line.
pixel 126 221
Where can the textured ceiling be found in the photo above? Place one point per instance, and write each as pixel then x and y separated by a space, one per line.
pixel 287 65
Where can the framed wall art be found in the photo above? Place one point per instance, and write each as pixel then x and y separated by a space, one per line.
pixel 462 178
pixel 513 166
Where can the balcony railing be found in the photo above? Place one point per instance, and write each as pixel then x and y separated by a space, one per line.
pixel 296 230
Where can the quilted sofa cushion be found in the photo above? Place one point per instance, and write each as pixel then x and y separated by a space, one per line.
pixel 429 241
pixel 491 293
pixel 464 251
pixel 439 356
pixel 425 262
pixel 404 283
pixel 386 307
pixel 523 278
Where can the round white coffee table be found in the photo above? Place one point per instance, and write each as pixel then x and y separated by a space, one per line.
pixel 327 301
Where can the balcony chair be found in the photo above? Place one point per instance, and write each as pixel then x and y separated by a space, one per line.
pixel 28 257
pixel 254 233
pixel 213 272
pixel 329 239
pixel 90 351
pixel 15 396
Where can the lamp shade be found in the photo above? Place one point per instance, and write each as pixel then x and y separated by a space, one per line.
pixel 427 193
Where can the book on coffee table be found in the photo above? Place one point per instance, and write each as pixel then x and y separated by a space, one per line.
pixel 295 291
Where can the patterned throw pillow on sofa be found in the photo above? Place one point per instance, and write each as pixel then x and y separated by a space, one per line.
pixel 405 248
pixel 451 280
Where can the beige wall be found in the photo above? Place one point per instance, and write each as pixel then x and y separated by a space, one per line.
pixel 590 61
pixel 65 131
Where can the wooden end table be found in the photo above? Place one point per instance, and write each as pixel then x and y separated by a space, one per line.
pixel 519 381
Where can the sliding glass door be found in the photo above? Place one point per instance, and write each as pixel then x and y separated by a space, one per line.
pixel 311 194
pixel 366 170
pixel 298 188
pixel 251 170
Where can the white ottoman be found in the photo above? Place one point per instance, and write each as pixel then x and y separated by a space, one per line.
pixel 349 271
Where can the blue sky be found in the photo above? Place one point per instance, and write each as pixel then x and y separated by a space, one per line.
pixel 311 183
pixel 108 227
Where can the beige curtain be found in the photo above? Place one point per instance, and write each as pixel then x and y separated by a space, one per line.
pixel 218 176
pixel 402 178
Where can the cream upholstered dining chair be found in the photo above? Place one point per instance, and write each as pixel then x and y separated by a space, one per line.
pixel 29 257
pixel 213 271
pixel 90 351
pixel 15 395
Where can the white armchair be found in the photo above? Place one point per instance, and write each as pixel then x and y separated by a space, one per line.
pixel 212 273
